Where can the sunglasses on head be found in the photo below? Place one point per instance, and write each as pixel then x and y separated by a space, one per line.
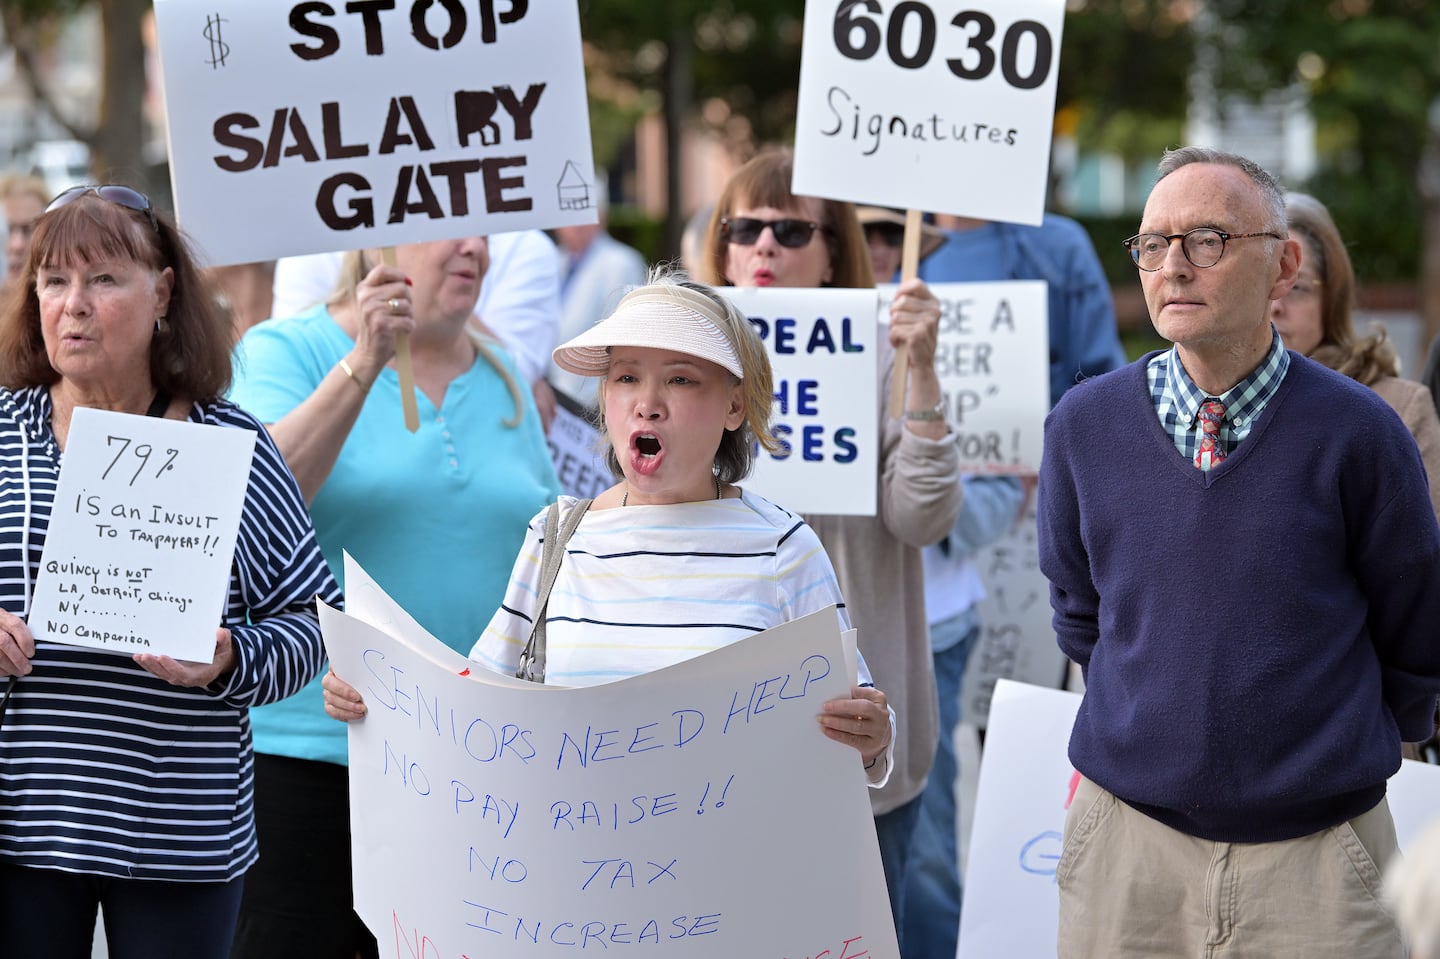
pixel 891 234
pixel 111 193
pixel 746 230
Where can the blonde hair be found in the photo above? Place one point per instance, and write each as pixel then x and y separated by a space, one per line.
pixel 735 456
pixel 354 267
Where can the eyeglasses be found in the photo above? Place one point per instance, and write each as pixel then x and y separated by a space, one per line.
pixel 792 234
pixel 1304 289
pixel 1202 247
pixel 112 193
pixel 890 234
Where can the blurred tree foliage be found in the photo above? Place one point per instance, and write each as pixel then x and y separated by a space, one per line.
pixel 1372 71
pixel 116 135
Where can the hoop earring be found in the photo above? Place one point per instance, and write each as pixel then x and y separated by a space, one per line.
pixel 160 325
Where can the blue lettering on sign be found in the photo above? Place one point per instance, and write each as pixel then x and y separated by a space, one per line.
pixel 1041 855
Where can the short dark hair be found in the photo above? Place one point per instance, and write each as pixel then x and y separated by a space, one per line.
pixel 191 359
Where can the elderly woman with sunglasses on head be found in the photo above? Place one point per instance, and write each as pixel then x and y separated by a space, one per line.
pixel 435 516
pixel 125 781
pixel 763 235
pixel 685 397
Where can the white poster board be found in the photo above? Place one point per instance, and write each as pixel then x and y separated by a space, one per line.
pixel 993 360
pixel 369 125
pixel 692 807
pixel 137 556
pixel 823 347
pixel 939 105
pixel 1011 905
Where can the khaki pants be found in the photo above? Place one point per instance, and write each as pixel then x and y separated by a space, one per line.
pixel 1132 888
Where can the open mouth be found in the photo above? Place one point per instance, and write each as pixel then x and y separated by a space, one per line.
pixel 647 444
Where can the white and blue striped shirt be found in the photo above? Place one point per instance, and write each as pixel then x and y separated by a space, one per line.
pixel 107 769
pixel 645 587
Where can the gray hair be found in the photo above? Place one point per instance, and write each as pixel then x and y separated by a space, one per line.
pixel 1271 193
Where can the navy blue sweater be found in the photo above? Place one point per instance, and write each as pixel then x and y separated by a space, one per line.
pixel 1257 639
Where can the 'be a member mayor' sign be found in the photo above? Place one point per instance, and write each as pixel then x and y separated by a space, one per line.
pixel 304 127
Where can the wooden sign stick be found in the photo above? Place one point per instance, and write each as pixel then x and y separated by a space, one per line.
pixel 909 267
pixel 403 365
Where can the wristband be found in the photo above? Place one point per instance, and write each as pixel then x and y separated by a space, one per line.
pixel 932 415
pixel 364 390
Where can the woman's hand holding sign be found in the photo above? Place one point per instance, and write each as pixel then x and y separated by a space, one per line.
pixel 17 646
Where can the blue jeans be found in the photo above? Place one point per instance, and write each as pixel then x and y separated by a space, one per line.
pixel 931 920
pixel 895 829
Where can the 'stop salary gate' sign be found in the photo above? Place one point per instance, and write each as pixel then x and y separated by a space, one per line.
pixel 945 105
pixel 311 127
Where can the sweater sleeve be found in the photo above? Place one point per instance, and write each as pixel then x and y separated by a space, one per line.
pixel 919 478
pixel 278 574
pixel 1063 556
pixel 1396 558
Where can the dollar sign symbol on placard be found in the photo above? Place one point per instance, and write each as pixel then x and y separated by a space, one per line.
pixel 219 49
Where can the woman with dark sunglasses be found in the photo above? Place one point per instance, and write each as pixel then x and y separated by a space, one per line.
pixel 125 781
pixel 763 235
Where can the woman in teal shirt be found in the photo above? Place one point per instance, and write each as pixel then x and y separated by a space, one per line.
pixel 435 516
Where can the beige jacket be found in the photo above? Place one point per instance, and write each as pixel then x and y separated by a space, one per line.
pixel 882 577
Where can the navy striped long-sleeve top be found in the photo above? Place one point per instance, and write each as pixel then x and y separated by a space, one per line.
pixel 107 769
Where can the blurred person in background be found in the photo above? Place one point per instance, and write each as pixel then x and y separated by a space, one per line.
pixel 24 198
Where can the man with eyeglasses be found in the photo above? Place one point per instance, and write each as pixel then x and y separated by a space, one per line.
pixel 1244 561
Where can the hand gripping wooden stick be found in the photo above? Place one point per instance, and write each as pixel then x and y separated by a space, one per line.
pixel 403 365
pixel 909 267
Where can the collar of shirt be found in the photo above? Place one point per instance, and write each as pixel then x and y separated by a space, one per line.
pixel 1177 399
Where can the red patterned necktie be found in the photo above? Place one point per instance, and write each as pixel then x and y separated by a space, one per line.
pixel 1210 452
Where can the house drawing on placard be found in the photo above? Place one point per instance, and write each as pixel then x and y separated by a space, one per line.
pixel 573 189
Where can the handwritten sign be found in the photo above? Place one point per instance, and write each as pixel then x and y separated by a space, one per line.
pixel 822 346
pixel 1017 638
pixel 372 124
pixel 1012 905
pixel 576 451
pixel 993 360
pixel 692 807
pixel 945 105
pixel 137 557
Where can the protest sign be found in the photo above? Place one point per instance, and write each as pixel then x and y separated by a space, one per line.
pixel 993 361
pixel 823 347
pixel 575 450
pixel 311 127
pixel 1012 904
pixel 138 552
pixel 938 105
pixel 1017 639
pixel 693 806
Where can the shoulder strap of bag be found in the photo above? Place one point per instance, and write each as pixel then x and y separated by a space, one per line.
pixel 552 553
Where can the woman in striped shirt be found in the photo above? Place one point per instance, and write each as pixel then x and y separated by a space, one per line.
pixel 126 781
pixel 674 560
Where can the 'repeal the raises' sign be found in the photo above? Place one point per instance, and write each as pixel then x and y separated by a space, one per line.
pixel 311 127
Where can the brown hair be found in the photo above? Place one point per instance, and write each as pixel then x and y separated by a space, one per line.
pixel 1362 358
pixel 191 359
pixel 765 181
pixel 355 265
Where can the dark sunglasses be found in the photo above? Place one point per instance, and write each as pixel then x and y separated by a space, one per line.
pixel 111 193
pixel 746 230
pixel 891 234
